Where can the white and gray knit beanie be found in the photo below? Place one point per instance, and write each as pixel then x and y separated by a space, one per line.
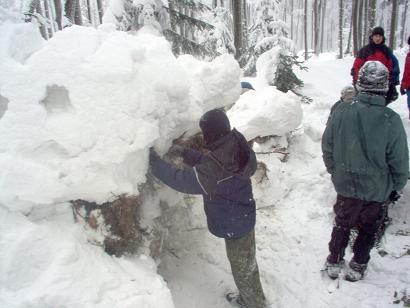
pixel 373 77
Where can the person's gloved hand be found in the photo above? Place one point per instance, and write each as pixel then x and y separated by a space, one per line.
pixel 176 150
pixel 394 196
pixel 402 91
pixel 153 155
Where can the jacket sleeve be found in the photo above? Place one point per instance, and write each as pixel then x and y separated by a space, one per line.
pixel 184 181
pixel 192 157
pixel 327 147
pixel 405 83
pixel 357 64
pixel 397 154
pixel 395 70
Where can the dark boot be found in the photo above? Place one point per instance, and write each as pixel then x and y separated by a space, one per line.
pixel 355 271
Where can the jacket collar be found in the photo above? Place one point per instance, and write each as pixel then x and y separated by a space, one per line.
pixel 371 98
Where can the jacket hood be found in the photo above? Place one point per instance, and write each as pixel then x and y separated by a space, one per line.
pixel 371 98
pixel 234 155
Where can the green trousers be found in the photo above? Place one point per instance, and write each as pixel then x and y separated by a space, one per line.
pixel 241 255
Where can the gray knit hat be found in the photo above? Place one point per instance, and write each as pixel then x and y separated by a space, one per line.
pixel 373 77
pixel 347 94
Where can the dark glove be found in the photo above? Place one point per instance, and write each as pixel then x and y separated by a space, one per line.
pixel 176 150
pixel 402 91
pixel 153 155
pixel 394 196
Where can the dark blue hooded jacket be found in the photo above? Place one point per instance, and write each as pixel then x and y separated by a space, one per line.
pixel 222 176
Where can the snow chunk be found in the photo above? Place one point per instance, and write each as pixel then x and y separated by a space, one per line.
pixel 266 112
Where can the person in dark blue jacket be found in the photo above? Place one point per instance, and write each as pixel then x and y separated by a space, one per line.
pixel 222 177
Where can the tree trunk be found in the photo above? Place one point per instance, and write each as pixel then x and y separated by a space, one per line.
pixel 78 19
pixel 305 31
pixel 349 40
pixel 340 29
pixel 359 22
pixel 100 10
pixel 237 28
pixel 245 25
pixel 214 3
pixel 403 23
pixel 59 14
pixel 354 27
pixel 43 29
pixel 372 15
pixel 315 27
pixel 392 39
pixel 366 22
pixel 291 19
pixel 322 27
pixel 89 12
pixel 49 17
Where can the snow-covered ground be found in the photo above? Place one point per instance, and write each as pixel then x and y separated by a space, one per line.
pixel 78 115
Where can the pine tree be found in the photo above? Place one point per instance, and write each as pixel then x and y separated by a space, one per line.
pixel 184 26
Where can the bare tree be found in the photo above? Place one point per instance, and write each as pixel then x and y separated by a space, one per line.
pixel 238 28
pixel 355 26
pixel 372 15
pixel 393 24
pixel 322 26
pixel 403 23
pixel 340 29
pixel 359 23
pixel 305 31
pixel 315 27
pixel 59 13
pixel 366 22
pixel 100 10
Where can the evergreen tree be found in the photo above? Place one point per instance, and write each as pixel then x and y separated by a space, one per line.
pixel 184 28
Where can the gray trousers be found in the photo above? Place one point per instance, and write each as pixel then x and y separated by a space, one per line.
pixel 241 255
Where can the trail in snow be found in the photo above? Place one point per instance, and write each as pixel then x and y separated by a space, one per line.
pixel 292 234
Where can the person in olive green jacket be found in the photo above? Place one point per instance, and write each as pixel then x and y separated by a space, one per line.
pixel 365 150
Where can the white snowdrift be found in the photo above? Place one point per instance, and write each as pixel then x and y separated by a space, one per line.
pixel 266 112
pixel 78 114
pixel 84 109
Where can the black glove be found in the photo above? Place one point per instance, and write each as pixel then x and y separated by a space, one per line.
pixel 153 155
pixel 176 150
pixel 394 196
pixel 402 91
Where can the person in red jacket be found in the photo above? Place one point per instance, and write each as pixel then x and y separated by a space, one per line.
pixel 405 82
pixel 377 50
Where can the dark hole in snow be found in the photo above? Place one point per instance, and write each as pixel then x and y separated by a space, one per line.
pixel 4 102
pixel 57 99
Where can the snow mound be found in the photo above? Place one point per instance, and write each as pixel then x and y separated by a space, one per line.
pixel 266 112
pixel 93 107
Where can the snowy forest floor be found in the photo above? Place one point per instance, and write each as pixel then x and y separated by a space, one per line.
pixel 292 234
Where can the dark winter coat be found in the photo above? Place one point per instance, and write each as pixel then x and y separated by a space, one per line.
pixel 365 149
pixel 405 82
pixel 222 176
pixel 376 52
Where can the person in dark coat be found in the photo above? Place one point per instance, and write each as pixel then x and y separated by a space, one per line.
pixel 405 82
pixel 222 177
pixel 377 50
pixel 365 150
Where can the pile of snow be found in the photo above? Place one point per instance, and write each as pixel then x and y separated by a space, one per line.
pixel 94 106
pixel 78 115
pixel 266 112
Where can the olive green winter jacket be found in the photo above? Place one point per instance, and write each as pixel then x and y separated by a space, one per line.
pixel 365 149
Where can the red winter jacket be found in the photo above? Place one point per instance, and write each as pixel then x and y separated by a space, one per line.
pixel 378 55
pixel 405 82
